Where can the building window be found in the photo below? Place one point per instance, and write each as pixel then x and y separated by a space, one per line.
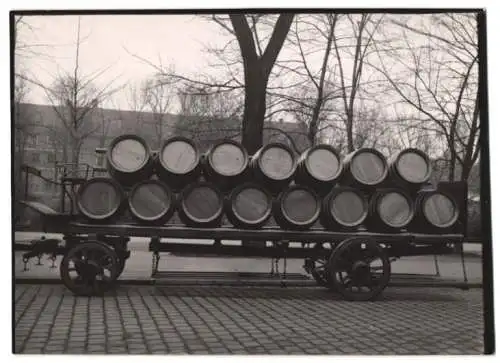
pixel 32 140
pixel 35 157
pixel 51 157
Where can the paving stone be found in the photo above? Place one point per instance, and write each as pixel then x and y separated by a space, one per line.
pixel 219 320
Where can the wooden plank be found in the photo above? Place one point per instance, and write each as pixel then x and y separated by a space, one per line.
pixel 413 167
pixel 367 167
pixel 277 163
pixel 265 233
pixel 179 156
pixel 251 204
pixel 395 209
pixel 128 155
pixel 323 164
pixel 440 210
pixel 228 159
pixel 348 207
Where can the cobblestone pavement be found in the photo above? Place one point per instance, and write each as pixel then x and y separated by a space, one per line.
pixel 257 320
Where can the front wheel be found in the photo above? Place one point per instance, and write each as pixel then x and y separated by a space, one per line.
pixel 89 268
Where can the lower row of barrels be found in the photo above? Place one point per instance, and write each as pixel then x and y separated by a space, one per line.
pixel 297 207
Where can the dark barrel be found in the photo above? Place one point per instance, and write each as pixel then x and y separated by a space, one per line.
pixel 274 164
pixel 226 164
pixel 390 210
pixel 435 211
pixel 297 207
pixel 178 162
pixel 364 168
pixel 249 206
pixel 411 167
pixel 129 160
pixel 344 208
pixel 151 202
pixel 100 199
pixel 319 167
pixel 201 204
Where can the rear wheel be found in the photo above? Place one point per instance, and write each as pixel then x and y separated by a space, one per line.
pixel 359 269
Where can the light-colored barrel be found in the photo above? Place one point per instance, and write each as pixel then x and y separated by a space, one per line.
pixel 297 207
pixel 411 167
pixel 226 164
pixel 129 159
pixel 178 162
pixel 319 167
pixel 275 165
pixel 390 210
pixel 151 202
pixel 249 206
pixel 365 168
pixel 201 204
pixel 100 199
pixel 436 209
pixel 344 208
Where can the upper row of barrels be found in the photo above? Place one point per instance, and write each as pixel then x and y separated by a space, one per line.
pixel 227 163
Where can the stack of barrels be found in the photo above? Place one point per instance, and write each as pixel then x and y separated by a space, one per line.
pixel 364 190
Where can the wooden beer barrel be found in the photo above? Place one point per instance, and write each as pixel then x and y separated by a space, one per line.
pixel 344 208
pixel 129 160
pixel 100 199
pixel 319 167
pixel 390 210
pixel 274 164
pixel 226 163
pixel 364 168
pixel 249 206
pixel 151 202
pixel 201 204
pixel 178 162
pixel 436 211
pixel 411 167
pixel 297 207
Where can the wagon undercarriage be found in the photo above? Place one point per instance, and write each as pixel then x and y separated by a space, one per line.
pixel 355 265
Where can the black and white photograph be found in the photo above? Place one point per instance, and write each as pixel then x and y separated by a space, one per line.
pixel 251 182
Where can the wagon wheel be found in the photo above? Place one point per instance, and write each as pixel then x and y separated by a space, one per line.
pixel 89 268
pixel 121 259
pixel 359 269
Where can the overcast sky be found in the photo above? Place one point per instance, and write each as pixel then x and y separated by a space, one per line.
pixel 108 42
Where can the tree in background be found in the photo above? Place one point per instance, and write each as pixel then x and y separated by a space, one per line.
pixel 74 98
pixel 438 59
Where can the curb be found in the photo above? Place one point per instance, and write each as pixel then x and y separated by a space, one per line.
pixel 242 283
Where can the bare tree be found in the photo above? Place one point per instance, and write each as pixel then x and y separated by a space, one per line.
pixel 157 97
pixel 438 78
pixel 256 62
pixel 74 98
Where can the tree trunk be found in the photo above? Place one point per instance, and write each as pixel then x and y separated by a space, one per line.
pixel 75 156
pixel 451 171
pixel 255 110
pixel 350 141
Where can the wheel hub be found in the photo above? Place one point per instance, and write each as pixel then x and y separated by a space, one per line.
pixel 91 268
pixel 360 271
